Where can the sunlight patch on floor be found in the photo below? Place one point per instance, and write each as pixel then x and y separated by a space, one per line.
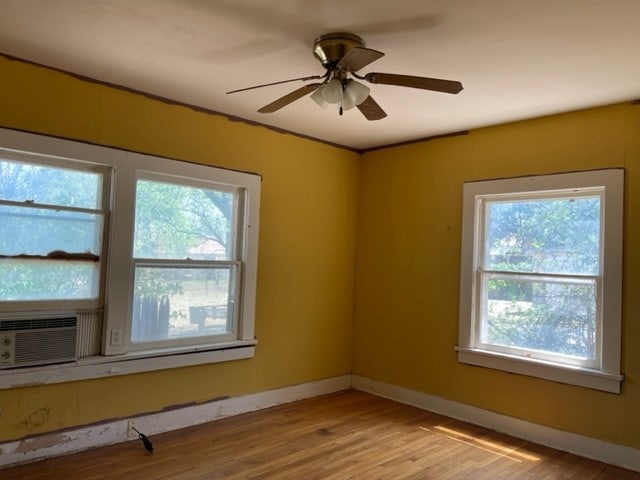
pixel 485 445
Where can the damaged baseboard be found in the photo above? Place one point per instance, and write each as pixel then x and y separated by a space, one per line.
pixel 74 440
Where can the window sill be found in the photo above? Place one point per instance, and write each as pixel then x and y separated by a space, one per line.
pixel 139 362
pixel 583 377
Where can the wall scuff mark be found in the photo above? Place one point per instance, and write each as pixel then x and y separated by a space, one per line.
pixel 35 419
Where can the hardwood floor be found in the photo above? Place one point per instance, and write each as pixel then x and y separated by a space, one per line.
pixel 347 435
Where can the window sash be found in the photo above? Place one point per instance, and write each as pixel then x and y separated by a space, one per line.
pixel 103 171
pixel 233 300
pixel 236 249
pixel 482 217
pixel 481 316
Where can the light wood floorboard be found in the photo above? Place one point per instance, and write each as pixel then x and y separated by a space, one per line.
pixel 347 435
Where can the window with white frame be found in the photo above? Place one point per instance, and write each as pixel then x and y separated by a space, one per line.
pixel 541 276
pixel 153 257
pixel 187 261
pixel 52 220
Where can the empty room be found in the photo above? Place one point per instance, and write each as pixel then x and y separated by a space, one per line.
pixel 329 240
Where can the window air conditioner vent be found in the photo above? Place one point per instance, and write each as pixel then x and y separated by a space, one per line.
pixel 37 340
pixel 36 323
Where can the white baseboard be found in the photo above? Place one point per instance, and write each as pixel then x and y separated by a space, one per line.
pixel 116 431
pixel 611 453
pixel 77 439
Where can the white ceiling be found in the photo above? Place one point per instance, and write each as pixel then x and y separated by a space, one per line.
pixel 516 59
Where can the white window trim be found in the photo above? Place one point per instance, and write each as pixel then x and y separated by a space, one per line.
pixel 101 367
pixel 116 361
pixel 121 264
pixel 237 251
pixel 607 376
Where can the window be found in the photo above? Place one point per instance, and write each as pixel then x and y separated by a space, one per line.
pixel 51 229
pixel 155 259
pixel 541 276
pixel 186 261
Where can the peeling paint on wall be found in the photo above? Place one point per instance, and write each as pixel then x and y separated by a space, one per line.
pixel 46 441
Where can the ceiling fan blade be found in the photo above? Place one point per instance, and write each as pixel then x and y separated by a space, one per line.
pixel 301 79
pixel 289 98
pixel 371 110
pixel 357 58
pixel 425 83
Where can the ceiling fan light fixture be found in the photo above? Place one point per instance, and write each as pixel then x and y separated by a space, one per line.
pixel 356 91
pixel 354 94
pixel 347 103
pixel 332 91
pixel 318 97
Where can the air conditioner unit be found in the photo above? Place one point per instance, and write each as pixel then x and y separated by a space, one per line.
pixel 37 339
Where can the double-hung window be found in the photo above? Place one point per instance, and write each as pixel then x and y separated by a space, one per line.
pixel 186 261
pixel 140 262
pixel 541 276
pixel 186 248
pixel 52 221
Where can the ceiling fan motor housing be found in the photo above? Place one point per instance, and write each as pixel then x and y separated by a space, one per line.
pixel 331 47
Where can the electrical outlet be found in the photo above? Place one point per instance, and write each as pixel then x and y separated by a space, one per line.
pixel 116 337
pixel 131 433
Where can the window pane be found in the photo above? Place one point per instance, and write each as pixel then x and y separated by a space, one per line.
pixel 48 280
pixel 544 235
pixel 36 231
pixel 181 302
pixel 179 222
pixel 26 230
pixel 551 316
pixel 20 182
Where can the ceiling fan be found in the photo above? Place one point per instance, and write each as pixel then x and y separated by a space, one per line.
pixel 342 55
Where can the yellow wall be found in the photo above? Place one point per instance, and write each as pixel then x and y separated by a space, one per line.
pixel 408 247
pixel 408 261
pixel 306 258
